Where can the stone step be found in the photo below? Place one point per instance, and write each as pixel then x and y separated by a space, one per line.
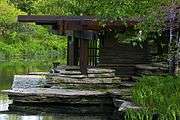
pixel 102 75
pixel 38 73
pixel 90 71
pixel 85 83
pixel 68 68
pixel 66 111
pixel 147 69
pixel 66 76
pixel 90 86
pixel 100 71
pixel 75 76
pixel 28 81
pixel 63 96
pixel 123 93
pixel 63 72
pixel 127 84
pixel 59 80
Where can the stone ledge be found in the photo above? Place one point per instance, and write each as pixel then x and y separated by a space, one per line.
pixel 28 81
pixel 66 96
pixel 52 92
pixel 56 80
pixel 38 73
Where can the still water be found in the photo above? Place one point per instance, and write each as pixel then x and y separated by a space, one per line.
pixel 10 68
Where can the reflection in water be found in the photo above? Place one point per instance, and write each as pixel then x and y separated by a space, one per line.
pixel 8 70
pixel 4 103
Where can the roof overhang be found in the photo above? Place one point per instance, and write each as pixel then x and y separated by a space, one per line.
pixel 74 22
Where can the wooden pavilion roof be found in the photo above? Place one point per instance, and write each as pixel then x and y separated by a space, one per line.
pixel 73 22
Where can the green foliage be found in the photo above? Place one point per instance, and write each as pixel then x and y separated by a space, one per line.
pixel 160 94
pixel 150 13
pixel 17 39
pixel 25 5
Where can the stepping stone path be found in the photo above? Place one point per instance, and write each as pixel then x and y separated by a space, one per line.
pixel 68 86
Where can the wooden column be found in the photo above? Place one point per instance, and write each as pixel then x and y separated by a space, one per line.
pixel 83 56
pixel 68 41
pixel 71 51
pixel 76 50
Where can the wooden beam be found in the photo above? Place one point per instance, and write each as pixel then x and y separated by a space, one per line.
pixel 47 18
pixel 72 22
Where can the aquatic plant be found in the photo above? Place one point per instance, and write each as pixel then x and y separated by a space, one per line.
pixel 156 94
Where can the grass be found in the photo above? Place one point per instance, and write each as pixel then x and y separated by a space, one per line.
pixel 156 94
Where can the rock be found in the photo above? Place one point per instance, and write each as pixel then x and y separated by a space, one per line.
pixel 84 83
pixel 68 68
pixel 59 80
pixel 38 73
pixel 28 81
pixel 73 76
pixel 63 109
pixel 100 70
pixel 148 69
pixel 120 92
pixel 126 84
pixel 124 105
pixel 102 75
pixel 63 96
pixel 124 94
pixel 63 72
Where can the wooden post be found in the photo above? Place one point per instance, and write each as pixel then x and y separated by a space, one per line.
pixel 76 57
pixel 83 56
pixel 68 41
pixel 72 51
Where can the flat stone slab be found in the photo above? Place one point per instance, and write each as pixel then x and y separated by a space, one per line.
pixel 38 73
pixel 63 72
pixel 90 71
pixel 146 67
pixel 67 76
pixel 99 71
pixel 68 96
pixel 123 105
pixel 28 81
pixel 102 75
pixel 52 92
pixel 67 68
pixel 59 80
pixel 62 109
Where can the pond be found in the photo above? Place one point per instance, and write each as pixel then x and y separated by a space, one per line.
pixel 13 67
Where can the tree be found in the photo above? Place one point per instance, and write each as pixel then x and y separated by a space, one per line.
pixel 25 5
